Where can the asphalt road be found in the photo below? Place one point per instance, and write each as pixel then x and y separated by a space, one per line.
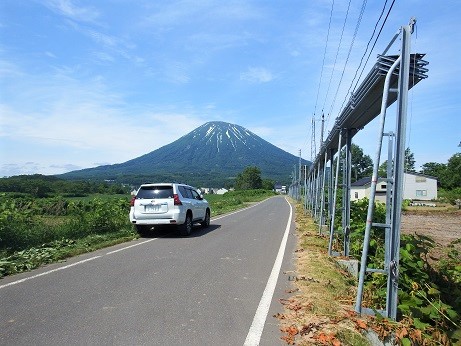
pixel 163 290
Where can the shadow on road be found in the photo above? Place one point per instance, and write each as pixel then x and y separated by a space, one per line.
pixel 172 232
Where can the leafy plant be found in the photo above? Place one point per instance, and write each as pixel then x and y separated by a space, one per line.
pixel 429 297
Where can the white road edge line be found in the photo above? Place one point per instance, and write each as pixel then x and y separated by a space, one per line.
pixel 259 320
pixel 130 246
pixel 49 272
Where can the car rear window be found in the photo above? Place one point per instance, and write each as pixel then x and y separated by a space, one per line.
pixel 155 192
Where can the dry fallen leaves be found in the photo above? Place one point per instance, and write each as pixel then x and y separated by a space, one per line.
pixel 290 331
pixel 361 324
pixel 328 339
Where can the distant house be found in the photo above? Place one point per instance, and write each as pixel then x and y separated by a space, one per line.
pixel 362 187
pixel 278 188
pixel 221 191
pixel 420 187
pixel 415 187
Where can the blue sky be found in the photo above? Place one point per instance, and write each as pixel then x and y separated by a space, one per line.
pixel 86 83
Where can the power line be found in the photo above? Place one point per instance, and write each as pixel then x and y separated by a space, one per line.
pixel 366 49
pixel 313 148
pixel 336 58
pixel 324 55
pixel 374 43
pixel 359 20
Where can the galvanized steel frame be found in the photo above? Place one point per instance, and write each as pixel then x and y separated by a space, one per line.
pixel 387 82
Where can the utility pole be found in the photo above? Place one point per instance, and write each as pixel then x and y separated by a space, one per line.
pixel 300 170
pixel 313 148
pixel 321 130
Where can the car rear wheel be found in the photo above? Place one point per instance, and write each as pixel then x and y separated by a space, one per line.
pixel 206 222
pixel 186 228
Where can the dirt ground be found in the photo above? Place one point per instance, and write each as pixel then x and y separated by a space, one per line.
pixel 443 227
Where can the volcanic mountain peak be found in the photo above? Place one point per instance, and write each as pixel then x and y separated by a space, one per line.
pixel 210 155
pixel 221 134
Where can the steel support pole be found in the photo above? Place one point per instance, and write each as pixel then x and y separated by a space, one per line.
pixel 399 177
pixel 389 189
pixel 322 195
pixel 347 193
pixel 299 176
pixel 374 179
pixel 317 188
pixel 330 189
pixel 304 196
pixel 335 193
pixel 311 193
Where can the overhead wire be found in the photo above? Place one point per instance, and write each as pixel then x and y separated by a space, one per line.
pixel 374 43
pixel 364 3
pixel 359 20
pixel 366 50
pixel 336 58
pixel 313 148
pixel 324 55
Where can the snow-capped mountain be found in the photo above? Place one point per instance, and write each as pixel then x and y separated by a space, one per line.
pixel 210 155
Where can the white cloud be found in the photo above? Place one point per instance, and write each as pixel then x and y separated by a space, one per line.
pixel 104 57
pixel 79 122
pixel 86 134
pixel 68 9
pixel 51 55
pixel 256 75
pixel 8 69
pixel 174 13
pixel 177 72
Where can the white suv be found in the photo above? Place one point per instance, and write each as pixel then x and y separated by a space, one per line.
pixel 168 204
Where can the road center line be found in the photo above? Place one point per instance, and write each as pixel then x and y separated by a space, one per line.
pixel 259 320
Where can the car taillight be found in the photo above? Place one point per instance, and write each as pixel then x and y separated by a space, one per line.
pixel 132 201
pixel 176 199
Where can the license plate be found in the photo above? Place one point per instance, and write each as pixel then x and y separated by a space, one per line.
pixel 152 208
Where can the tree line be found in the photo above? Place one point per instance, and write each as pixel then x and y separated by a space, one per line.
pixel 38 185
pixel 448 176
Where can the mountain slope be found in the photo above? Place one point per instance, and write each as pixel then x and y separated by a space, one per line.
pixel 211 154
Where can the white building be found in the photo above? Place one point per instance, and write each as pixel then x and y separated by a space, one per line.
pixel 221 191
pixel 415 187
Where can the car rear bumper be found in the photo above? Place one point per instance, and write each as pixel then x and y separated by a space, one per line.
pixel 175 219
pixel 156 222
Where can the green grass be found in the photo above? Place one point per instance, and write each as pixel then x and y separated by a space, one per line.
pixel 233 200
pixel 58 250
pixel 102 196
